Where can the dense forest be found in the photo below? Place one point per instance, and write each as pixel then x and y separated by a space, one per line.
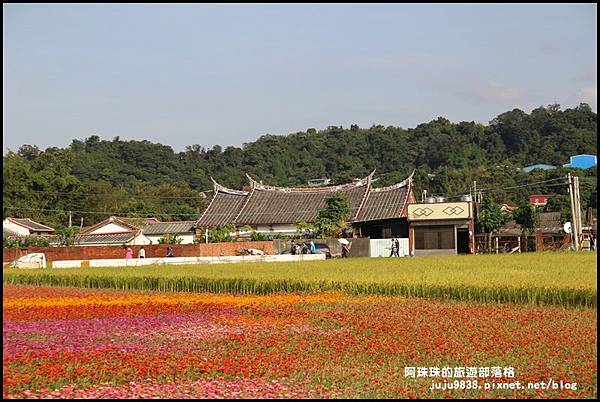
pixel 94 178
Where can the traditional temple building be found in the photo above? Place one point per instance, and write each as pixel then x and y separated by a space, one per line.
pixel 375 212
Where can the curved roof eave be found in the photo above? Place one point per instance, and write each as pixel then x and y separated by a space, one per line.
pixel 259 186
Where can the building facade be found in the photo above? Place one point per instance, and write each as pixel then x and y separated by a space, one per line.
pixel 441 228
pixel 21 227
pixel 134 231
pixel 271 210
pixel 539 200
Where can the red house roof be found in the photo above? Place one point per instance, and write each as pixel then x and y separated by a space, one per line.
pixel 539 199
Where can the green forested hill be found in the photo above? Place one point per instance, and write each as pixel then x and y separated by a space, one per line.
pixel 127 177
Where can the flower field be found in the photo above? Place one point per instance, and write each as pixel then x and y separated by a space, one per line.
pixel 84 343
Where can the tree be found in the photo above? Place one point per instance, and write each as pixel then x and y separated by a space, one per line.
pixel 24 242
pixel 304 229
pixel 254 235
pixel 104 176
pixel 218 234
pixel 29 152
pixel 170 238
pixel 333 218
pixel 526 215
pixel 66 236
pixel 10 242
pixel 141 209
pixel 490 217
pixel 562 204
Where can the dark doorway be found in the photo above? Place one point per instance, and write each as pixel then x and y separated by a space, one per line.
pixel 384 229
pixel 462 241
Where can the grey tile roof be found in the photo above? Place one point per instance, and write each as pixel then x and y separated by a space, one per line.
pixel 150 226
pixel 510 228
pixel 32 225
pixel 549 222
pixel 110 238
pixel 137 221
pixel 223 207
pixel 167 227
pixel 264 205
pixel 114 219
pixel 53 240
pixel 272 206
pixel 386 202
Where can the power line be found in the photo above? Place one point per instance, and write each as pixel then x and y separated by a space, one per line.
pixel 518 187
pixel 215 214
pixel 98 212
pixel 489 190
pixel 74 194
pixel 532 184
pixel 454 195
pixel 101 194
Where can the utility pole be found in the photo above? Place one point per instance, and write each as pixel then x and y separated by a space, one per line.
pixel 578 212
pixel 472 224
pixel 574 229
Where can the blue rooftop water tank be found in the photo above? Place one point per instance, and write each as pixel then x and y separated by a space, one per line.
pixel 582 161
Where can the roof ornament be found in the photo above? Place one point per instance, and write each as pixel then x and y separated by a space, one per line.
pixel 370 176
pixel 253 182
pixel 218 187
pixel 410 178
pixel 403 183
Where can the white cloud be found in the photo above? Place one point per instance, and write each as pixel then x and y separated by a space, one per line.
pixel 588 95
pixel 487 92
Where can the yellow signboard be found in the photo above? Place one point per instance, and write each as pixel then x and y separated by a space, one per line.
pixel 439 211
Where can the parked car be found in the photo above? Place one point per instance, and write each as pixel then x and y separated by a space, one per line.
pixel 33 260
pixel 323 248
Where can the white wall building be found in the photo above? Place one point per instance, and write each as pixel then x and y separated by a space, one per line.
pixel 133 231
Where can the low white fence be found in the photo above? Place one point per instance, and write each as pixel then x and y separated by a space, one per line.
pixel 383 247
pixel 137 262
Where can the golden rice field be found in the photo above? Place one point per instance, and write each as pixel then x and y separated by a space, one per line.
pixel 567 279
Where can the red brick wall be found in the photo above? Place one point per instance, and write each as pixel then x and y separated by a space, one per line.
pixel 155 250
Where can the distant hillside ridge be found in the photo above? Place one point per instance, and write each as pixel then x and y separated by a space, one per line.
pixel 97 177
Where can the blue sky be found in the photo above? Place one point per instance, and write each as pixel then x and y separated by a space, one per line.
pixel 227 74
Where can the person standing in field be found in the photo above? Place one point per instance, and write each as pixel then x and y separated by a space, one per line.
pixel 129 253
pixel 345 251
pixel 304 248
pixel 313 248
pixel 393 248
pixel 293 248
pixel 397 247
pixel 142 253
